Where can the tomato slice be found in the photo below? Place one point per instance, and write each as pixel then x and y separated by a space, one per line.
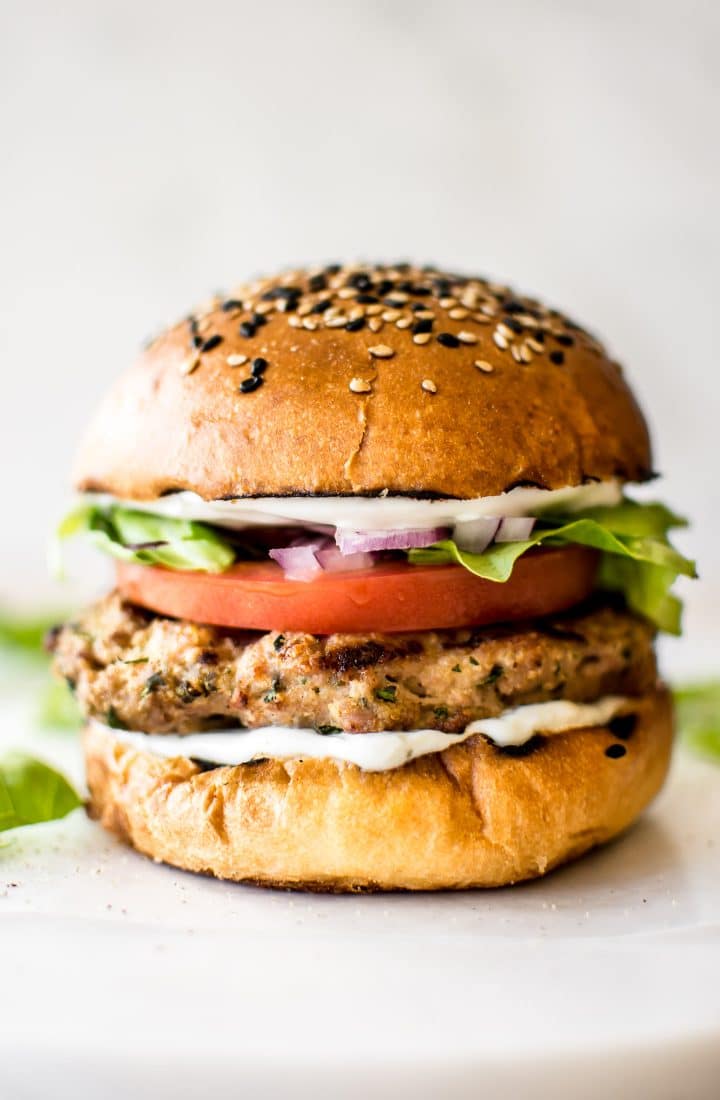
pixel 387 598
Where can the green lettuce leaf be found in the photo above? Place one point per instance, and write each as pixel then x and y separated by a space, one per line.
pixel 146 538
pixel 31 791
pixel 637 558
pixel 698 717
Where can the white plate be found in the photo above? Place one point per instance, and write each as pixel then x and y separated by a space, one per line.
pixel 121 978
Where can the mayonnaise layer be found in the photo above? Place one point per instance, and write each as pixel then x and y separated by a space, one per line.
pixel 390 513
pixel 373 752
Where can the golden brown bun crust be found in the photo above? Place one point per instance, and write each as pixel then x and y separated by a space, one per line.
pixel 552 409
pixel 470 816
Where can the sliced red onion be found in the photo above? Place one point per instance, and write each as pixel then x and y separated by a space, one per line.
pixel 353 542
pixel 334 561
pixel 299 562
pixel 515 528
pixel 475 535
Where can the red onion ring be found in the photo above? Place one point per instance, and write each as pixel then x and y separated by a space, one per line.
pixel 353 542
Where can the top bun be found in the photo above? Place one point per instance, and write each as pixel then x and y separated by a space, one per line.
pixel 361 380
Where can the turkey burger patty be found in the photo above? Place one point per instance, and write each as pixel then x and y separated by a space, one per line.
pixel 160 675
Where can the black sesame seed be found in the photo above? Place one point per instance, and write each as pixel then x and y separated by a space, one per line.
pixel 418 306
pixel 360 280
pixel 566 341
pixel 231 304
pixel 287 292
pixel 615 751
pixel 395 303
pixel 383 287
pixel 539 335
pixel 623 726
pixel 557 357
pixel 448 340
pixel 317 282
pixel 333 269
pixel 367 299
pixel 247 328
pixel 513 306
pixel 320 307
pixel 513 325
pixel 197 340
pixel 356 325
pixel 259 365
pixel 211 342
pixel 249 384
pixel 422 326
pixel 259 319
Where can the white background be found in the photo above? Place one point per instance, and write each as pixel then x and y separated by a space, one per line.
pixel 152 152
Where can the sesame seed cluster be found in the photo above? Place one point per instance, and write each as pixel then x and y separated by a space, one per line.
pixel 401 304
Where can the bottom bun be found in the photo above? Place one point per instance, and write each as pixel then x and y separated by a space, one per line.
pixel 471 816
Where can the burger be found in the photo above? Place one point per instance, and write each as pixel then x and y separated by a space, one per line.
pixel 383 614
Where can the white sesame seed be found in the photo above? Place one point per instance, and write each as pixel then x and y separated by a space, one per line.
pixel 309 324
pixel 336 322
pixel 294 321
pixel 303 309
pixel 264 307
pixel 360 385
pixel 375 324
pixel 422 338
pixel 391 314
pixel 381 351
pixel 484 366
pixel 236 360
pixel 428 385
pixel 535 345
pixel 481 319
pixel 356 313
pixel 458 314
pixel 448 303
pixel 373 309
pixel 425 315
pixel 525 353
pixel 403 322
pixel 467 337
pixel 190 364
pixel 500 340
pixel 347 292
pixel 504 331
pixel 515 352
pixel 398 296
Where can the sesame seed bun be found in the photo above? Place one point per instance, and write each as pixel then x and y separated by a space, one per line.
pixel 470 816
pixel 363 380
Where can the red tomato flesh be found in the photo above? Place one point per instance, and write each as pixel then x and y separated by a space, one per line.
pixel 388 598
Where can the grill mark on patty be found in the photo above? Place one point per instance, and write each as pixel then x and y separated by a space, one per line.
pixel 347 658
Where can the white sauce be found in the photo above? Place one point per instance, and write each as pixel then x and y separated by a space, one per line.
pixel 370 513
pixel 373 752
